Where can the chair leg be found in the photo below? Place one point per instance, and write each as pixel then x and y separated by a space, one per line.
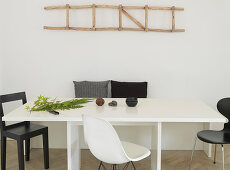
pixel 194 147
pixel 115 167
pixel 215 155
pixel 27 148
pixel 222 156
pixel 126 166
pixel 100 165
pixel 3 153
pixel 46 149
pixel 133 165
pixel 103 166
pixel 21 154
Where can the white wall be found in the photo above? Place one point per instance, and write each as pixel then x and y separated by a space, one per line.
pixel 1 70
pixel 194 64
pixel 1 52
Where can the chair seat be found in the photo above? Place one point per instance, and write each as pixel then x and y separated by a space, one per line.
pixel 135 152
pixel 30 131
pixel 214 137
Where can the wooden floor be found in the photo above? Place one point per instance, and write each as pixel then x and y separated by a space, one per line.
pixel 171 160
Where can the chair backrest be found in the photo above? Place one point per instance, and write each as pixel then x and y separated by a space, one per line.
pixel 223 107
pixel 103 141
pixel 10 98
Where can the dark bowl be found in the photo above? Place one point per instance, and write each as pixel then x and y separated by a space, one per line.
pixel 131 101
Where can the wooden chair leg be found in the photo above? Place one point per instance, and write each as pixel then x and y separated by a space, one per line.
pixel 27 148
pixel 3 153
pixel 21 154
pixel 46 149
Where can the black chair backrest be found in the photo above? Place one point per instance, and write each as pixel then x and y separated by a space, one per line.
pixel 223 107
pixel 10 98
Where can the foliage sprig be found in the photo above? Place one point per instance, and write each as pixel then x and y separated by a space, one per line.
pixel 47 104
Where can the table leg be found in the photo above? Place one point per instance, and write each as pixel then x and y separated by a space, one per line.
pixel 156 147
pixel 208 147
pixel 73 147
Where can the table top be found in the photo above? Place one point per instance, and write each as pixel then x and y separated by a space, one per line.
pixel 147 110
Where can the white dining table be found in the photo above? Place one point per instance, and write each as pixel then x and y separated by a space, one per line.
pixel 148 112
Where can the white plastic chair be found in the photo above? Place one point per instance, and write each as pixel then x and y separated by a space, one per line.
pixel 106 146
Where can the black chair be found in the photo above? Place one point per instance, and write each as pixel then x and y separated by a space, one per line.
pixel 21 132
pixel 217 137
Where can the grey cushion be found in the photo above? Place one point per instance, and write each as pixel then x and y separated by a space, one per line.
pixel 91 89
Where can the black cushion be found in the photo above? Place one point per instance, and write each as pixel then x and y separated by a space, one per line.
pixel 128 89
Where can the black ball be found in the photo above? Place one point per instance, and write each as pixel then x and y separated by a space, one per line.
pixel 131 101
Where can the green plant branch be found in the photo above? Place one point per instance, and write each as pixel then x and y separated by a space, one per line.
pixel 45 104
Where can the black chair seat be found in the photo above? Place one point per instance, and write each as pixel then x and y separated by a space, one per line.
pixel 25 131
pixel 214 137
